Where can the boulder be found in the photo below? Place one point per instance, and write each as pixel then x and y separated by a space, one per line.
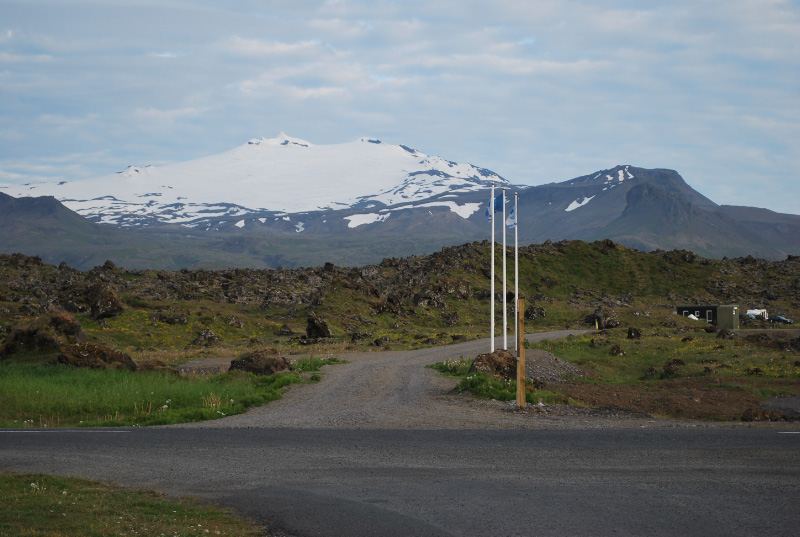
pixel 284 330
pixel 534 312
pixel 47 333
pixel 95 357
pixel 206 337
pixel 391 304
pixel 451 319
pixel 634 333
pixel 500 363
pixel 261 362
pixel 358 335
pixel 316 327
pixel 726 334
pixel 616 350
pixel 169 318
pixel 104 302
pixel 380 342
pixel 603 318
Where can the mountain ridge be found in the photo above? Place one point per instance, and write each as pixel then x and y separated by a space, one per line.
pixel 414 207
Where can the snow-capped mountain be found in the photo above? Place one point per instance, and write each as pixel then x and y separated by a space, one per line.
pixel 271 179
pixel 287 202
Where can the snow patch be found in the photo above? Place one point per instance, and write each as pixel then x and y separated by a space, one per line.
pixel 576 204
pixel 239 224
pixel 300 227
pixel 464 211
pixel 368 218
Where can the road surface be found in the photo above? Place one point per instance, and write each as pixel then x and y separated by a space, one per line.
pixel 354 455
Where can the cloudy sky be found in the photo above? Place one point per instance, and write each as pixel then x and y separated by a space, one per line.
pixel 538 91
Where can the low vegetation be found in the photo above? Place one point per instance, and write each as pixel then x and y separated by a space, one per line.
pixel 44 395
pixel 174 317
pixel 673 369
pixel 49 506
pixel 663 354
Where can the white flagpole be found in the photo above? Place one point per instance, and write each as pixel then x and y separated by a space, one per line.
pixel 491 209
pixel 505 311
pixel 516 274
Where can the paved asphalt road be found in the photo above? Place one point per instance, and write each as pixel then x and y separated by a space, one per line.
pixel 684 482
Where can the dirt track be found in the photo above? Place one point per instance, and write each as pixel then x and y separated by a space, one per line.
pixel 394 390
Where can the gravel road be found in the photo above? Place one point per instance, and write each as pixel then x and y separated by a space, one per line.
pixel 395 390
pixel 385 390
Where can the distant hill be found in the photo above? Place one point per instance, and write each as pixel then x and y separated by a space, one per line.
pixel 285 202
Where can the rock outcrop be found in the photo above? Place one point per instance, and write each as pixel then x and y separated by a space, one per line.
pixel 95 357
pixel 500 363
pixel 104 302
pixel 316 327
pixel 47 333
pixel 261 362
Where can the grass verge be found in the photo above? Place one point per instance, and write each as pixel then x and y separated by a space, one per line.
pixel 42 395
pixel 49 506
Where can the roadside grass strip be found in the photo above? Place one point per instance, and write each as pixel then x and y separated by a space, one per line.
pixel 50 506
pixel 39 395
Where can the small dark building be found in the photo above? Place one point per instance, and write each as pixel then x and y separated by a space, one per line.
pixel 718 315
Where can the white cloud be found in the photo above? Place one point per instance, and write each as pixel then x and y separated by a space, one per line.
pixel 169 115
pixel 257 47
pixel 6 57
pixel 315 93
pixel 167 54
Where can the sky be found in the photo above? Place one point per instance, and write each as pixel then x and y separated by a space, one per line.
pixel 537 91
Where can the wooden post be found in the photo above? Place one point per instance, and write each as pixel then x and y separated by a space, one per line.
pixel 521 354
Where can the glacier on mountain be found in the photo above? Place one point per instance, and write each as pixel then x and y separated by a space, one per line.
pixel 282 174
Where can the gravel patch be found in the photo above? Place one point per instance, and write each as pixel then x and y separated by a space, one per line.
pixel 545 366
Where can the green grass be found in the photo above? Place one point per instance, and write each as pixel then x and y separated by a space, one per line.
pixel 727 364
pixel 481 384
pixel 486 386
pixel 696 350
pixel 48 506
pixel 34 395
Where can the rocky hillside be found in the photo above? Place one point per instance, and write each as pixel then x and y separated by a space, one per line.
pixel 410 301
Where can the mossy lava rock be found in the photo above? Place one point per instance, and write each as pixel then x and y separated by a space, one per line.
pixel 261 362
pixel 95 357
